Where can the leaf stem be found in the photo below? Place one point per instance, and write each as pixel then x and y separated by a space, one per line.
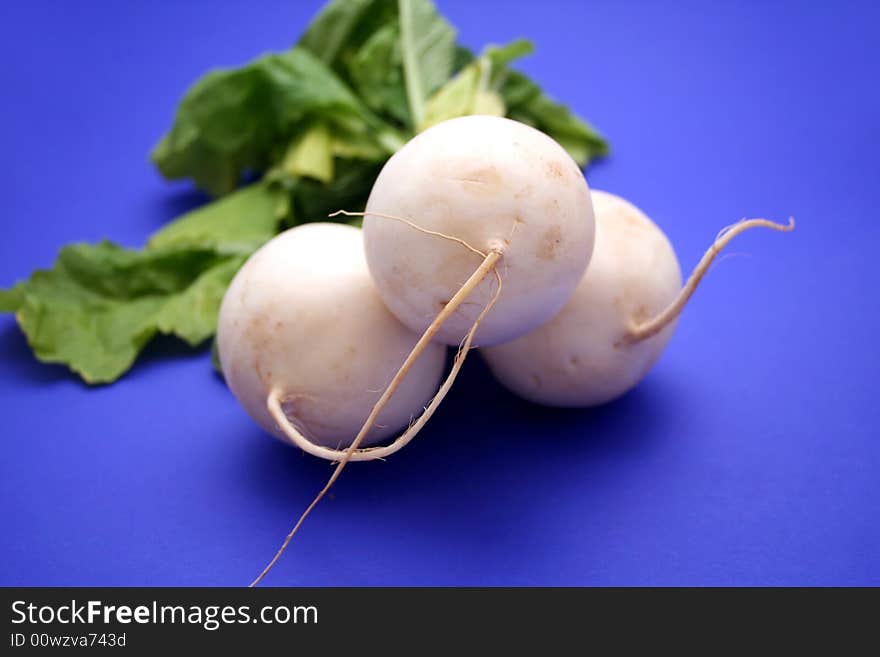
pixel 414 93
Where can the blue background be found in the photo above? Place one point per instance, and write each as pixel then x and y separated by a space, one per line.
pixel 750 454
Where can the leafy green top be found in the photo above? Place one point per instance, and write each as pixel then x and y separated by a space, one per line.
pixel 317 122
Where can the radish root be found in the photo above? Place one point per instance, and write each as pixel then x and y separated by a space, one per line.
pixel 653 326
pixel 353 453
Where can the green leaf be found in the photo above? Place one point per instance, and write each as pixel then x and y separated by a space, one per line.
pixel 376 73
pixel 191 314
pixel 355 146
pixel 456 98
pixel 311 155
pixel 240 120
pixel 312 200
pixel 235 224
pixel 100 304
pixel 394 53
pixel 11 299
pixel 342 26
pixel 485 85
pixel 428 51
pixel 462 57
pixel 528 104
pixel 476 87
pixel 501 56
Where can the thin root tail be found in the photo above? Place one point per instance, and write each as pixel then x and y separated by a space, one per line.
pixel 653 326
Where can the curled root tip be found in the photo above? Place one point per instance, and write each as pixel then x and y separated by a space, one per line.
pixel 786 227
pixel 746 223
pixel 655 325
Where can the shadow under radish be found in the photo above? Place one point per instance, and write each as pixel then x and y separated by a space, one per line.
pixel 164 349
pixel 478 477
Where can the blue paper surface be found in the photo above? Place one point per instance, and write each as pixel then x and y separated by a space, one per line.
pixel 749 456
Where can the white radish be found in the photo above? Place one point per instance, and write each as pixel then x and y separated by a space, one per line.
pixel 307 346
pixel 475 214
pixel 500 186
pixel 617 322
pixel 466 198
